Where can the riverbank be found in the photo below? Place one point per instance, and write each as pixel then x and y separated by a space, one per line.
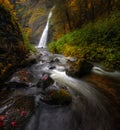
pixel 96 42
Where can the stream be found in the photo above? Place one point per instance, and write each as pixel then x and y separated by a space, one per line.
pixel 93 103
pixel 88 110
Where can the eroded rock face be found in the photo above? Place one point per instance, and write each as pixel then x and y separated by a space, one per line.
pixel 79 69
pixel 12 48
pixel 9 28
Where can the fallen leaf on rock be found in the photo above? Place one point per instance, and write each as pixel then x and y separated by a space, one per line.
pixel 2 117
pixel 1 124
pixel 23 113
pixel 13 123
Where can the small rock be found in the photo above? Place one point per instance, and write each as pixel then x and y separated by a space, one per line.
pixel 52 67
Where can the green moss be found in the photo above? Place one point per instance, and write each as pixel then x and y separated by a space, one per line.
pixel 61 96
pixel 58 97
pixel 27 44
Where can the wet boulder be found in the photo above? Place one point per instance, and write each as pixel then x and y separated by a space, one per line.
pixel 45 81
pixel 22 78
pixel 16 116
pixel 78 68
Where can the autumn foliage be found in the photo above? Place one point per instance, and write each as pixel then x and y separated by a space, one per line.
pixel 7 4
pixel 72 14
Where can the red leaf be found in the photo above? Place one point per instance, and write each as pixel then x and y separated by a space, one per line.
pixel 2 117
pixel 24 79
pixel 1 124
pixel 13 123
pixel 23 113
pixel 44 77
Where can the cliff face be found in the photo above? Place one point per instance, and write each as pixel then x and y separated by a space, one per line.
pixel 32 16
pixel 12 49
pixel 9 29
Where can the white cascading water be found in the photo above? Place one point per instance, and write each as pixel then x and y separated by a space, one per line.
pixel 76 85
pixel 100 71
pixel 43 39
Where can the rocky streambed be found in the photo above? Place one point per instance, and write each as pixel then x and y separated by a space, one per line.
pixel 43 97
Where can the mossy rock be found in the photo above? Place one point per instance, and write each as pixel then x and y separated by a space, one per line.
pixel 57 97
pixel 78 68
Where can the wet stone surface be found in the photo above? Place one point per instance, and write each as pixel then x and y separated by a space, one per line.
pixel 32 100
pixel 22 78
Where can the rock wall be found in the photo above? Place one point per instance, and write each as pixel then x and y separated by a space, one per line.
pixel 12 49
pixel 9 29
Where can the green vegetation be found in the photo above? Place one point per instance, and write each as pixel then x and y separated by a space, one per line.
pixel 26 35
pixel 94 42
pixel 70 15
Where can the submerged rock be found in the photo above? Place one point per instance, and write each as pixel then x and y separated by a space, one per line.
pixel 78 68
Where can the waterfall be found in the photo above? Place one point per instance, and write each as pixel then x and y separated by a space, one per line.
pixel 43 39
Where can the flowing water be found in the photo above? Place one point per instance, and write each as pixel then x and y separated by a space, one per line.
pixel 88 108
pixel 92 107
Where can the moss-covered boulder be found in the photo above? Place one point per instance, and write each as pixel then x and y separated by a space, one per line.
pixel 57 97
pixel 78 68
